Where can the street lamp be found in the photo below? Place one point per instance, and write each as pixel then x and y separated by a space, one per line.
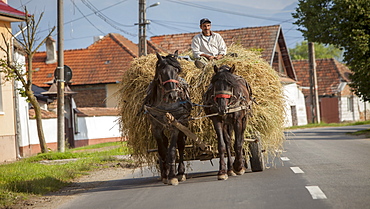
pixel 142 26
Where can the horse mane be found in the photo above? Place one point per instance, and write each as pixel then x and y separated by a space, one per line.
pixel 240 86
pixel 171 60
pixel 225 75
pixel 168 60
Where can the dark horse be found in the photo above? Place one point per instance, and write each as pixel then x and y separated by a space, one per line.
pixel 228 95
pixel 168 93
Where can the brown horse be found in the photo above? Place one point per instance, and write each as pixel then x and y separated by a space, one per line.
pixel 228 95
pixel 168 93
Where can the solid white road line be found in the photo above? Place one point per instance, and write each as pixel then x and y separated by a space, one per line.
pixel 296 170
pixel 284 158
pixel 316 192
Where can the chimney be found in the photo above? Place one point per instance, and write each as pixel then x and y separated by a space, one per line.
pixel 51 52
pixel 97 38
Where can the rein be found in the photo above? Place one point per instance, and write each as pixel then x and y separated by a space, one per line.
pixel 231 110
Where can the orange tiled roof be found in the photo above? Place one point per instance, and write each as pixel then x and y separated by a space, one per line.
pixel 102 62
pixel 97 111
pixel 44 114
pixel 330 73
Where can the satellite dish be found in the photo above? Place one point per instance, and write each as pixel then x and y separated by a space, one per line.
pixel 67 73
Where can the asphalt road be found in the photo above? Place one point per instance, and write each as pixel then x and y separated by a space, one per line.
pixel 319 168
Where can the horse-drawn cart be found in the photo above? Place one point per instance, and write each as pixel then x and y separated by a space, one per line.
pixel 144 136
pixel 203 152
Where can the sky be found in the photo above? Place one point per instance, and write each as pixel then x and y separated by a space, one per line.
pixel 86 19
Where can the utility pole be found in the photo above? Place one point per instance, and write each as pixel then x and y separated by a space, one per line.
pixel 315 106
pixel 142 26
pixel 60 79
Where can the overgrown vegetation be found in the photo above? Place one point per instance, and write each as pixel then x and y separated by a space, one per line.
pixel 30 176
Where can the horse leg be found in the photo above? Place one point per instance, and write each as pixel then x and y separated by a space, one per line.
pixel 162 143
pixel 171 158
pixel 222 174
pixel 239 129
pixel 181 146
pixel 227 138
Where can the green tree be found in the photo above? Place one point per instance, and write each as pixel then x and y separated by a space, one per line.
pixel 300 51
pixel 345 24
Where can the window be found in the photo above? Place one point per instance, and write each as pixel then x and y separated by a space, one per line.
pixel 350 103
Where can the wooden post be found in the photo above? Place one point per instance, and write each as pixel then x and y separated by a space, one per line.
pixel 315 105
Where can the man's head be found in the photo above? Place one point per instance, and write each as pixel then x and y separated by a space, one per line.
pixel 205 25
pixel 204 20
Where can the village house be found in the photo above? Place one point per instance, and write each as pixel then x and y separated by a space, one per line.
pixel 337 102
pixel 90 104
pixel 8 132
pixel 267 39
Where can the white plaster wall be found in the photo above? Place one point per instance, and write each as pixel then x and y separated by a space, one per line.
pixel 89 128
pixel 97 127
pixel 345 114
pixel 50 131
pixel 294 97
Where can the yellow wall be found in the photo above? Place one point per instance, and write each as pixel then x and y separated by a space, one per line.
pixel 112 100
pixel 7 123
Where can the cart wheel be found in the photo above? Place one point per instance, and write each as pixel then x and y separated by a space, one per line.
pixel 256 158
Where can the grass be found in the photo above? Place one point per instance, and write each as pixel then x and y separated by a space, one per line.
pixel 27 177
pixel 365 133
pixel 316 125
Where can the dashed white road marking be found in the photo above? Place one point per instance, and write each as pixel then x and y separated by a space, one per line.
pixel 296 170
pixel 316 192
pixel 284 158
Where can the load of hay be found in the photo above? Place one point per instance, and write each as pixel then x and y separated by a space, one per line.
pixel 267 117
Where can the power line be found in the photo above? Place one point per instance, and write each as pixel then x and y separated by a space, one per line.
pixel 101 15
pixel 74 20
pixel 86 17
pixel 22 5
pixel 97 13
pixel 224 11
pixel 169 27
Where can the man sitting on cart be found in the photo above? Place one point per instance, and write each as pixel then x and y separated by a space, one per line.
pixel 207 45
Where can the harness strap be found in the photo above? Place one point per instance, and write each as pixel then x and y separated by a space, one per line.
pixel 170 81
pixel 226 96
pixel 222 94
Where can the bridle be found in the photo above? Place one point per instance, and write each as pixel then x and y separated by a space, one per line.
pixel 222 94
pixel 162 83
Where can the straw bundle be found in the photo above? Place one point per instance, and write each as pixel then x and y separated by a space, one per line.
pixel 267 117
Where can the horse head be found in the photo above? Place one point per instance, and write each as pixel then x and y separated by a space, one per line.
pixel 167 70
pixel 223 83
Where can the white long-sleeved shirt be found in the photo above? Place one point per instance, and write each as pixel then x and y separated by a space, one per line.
pixel 214 46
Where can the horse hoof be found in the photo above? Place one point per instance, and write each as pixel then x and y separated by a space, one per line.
pixel 181 178
pixel 173 181
pixel 165 180
pixel 222 177
pixel 241 172
pixel 231 173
